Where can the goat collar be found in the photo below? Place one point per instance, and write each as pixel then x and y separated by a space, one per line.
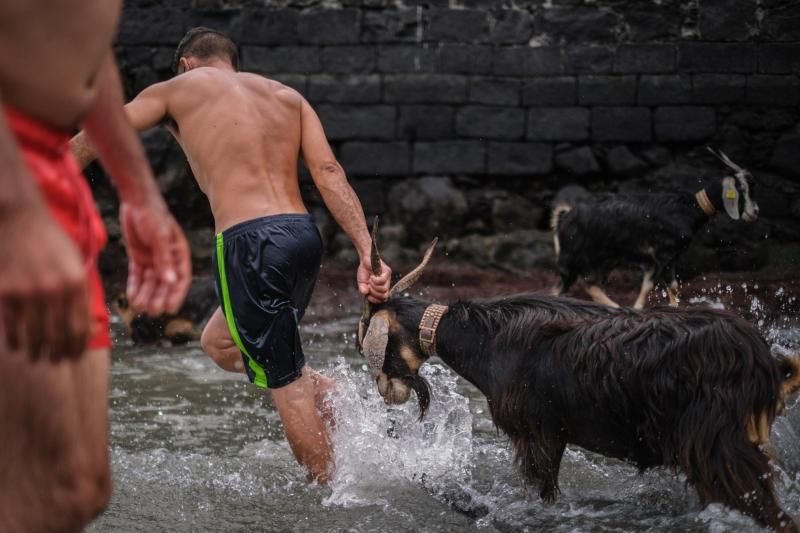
pixel 428 325
pixel 705 204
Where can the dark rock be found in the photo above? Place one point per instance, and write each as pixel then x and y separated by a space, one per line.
pixel 494 91
pixel 511 27
pixel 527 61
pixel 386 26
pixel 151 26
pixel 329 26
pixel 786 155
pixel 559 90
pixel 348 59
pixel 727 20
pixel 589 59
pixel 269 27
pixel 606 90
pixel 622 162
pixel 428 206
pixel 581 24
pixel 780 91
pixel 558 124
pixel 450 157
pixel 403 58
pixel 355 89
pixel 425 88
pixel 716 89
pixel 462 25
pixel 357 122
pixel 426 122
pixel 372 193
pixel 779 58
pixel 651 22
pixel 376 159
pixel 465 59
pixel 621 124
pixel 684 124
pixel 644 59
pixel 657 156
pixel 490 122
pixel 520 159
pixel 665 90
pixel 717 57
pixel 513 212
pixel 578 161
pixel 781 23
pixel 282 59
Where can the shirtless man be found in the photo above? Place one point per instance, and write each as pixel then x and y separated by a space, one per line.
pixel 56 72
pixel 243 135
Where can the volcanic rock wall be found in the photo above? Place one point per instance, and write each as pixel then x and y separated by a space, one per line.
pixel 463 117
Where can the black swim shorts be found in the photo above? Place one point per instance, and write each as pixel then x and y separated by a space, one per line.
pixel 265 273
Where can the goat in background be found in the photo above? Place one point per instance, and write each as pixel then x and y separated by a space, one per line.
pixel 595 234
pixel 695 390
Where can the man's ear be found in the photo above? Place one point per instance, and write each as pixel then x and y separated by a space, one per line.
pixel 186 64
pixel 730 198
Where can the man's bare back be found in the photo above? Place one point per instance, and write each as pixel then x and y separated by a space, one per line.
pixel 62 44
pixel 241 134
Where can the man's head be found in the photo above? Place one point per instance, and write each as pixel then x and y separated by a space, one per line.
pixel 200 46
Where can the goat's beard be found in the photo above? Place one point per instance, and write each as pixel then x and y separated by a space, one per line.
pixel 423 390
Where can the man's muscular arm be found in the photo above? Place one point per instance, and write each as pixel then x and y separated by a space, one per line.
pixel 341 199
pixel 43 292
pixel 159 273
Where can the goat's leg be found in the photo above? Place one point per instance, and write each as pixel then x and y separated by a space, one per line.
pixel 599 295
pixel 671 283
pixel 541 462
pixel 647 286
pixel 563 285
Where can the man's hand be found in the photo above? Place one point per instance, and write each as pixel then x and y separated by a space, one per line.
pixel 160 270
pixel 43 292
pixel 375 288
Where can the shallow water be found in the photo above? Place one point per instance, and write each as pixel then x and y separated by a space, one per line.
pixel 198 449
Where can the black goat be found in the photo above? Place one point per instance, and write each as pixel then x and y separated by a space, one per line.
pixel 695 390
pixel 597 234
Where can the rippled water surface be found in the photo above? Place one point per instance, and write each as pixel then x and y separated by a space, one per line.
pixel 198 449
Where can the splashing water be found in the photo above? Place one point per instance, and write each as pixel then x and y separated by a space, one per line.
pixel 378 447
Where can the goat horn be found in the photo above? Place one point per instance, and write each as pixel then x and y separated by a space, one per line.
pixel 719 154
pixel 374 344
pixel 375 256
pixel 409 279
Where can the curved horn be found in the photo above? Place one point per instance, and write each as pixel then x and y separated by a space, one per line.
pixel 374 344
pixel 375 264
pixel 719 154
pixel 409 279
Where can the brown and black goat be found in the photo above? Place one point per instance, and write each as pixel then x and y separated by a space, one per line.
pixel 695 390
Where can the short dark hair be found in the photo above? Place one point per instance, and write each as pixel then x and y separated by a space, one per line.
pixel 205 43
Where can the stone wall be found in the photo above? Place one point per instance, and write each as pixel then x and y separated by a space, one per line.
pixel 497 103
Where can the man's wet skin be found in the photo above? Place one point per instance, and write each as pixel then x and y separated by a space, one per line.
pixel 242 134
pixel 64 43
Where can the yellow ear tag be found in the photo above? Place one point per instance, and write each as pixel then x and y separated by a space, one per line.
pixel 730 194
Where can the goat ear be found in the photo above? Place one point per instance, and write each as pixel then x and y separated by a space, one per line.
pixel 730 197
pixel 374 344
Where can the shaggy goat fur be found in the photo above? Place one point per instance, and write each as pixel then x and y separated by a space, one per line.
pixel 695 390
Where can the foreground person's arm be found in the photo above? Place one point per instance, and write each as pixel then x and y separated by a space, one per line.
pixel 342 201
pixel 43 294
pixel 159 272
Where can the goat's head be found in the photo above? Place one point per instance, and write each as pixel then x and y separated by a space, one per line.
pixel 388 339
pixel 738 191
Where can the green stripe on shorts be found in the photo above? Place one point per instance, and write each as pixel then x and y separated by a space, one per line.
pixel 260 376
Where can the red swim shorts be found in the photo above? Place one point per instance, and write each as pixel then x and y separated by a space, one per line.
pixel 46 152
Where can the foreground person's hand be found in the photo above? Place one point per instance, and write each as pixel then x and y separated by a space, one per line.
pixel 159 272
pixel 374 287
pixel 43 292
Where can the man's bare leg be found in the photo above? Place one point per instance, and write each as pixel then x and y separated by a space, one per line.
pixel 54 466
pixel 302 404
pixel 304 427
pixel 216 341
